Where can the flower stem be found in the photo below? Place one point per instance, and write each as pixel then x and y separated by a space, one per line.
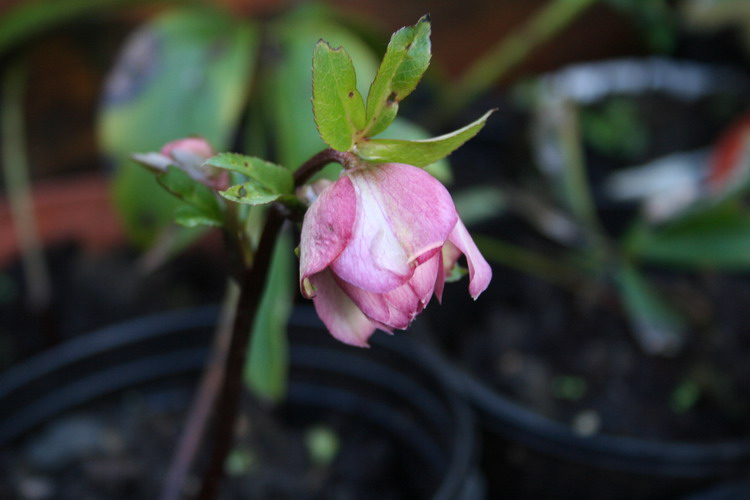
pixel 18 182
pixel 251 291
pixel 229 362
pixel 320 160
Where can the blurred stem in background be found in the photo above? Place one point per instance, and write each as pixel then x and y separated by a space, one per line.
pixel 18 186
pixel 512 49
pixel 532 263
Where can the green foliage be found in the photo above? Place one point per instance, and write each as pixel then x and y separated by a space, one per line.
pixel 655 18
pixel 287 80
pixel 569 387
pixel 401 128
pixel 659 328
pixel 323 445
pixel 709 237
pixel 203 207
pixel 266 181
pixel 615 129
pixel 337 104
pixel 685 396
pixel 185 72
pixel 251 192
pixel 30 18
pixel 405 61
pixel 419 153
pixel 266 369
pixel 480 204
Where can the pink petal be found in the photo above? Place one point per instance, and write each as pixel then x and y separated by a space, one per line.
pixel 425 278
pixel 326 229
pixel 403 216
pixel 449 255
pixel 377 307
pixel 341 316
pixel 403 304
pixel 195 145
pixel 480 272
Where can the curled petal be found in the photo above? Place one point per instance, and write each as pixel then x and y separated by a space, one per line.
pixel 480 272
pixel 377 307
pixel 404 215
pixel 341 316
pixel 449 255
pixel 425 278
pixel 155 161
pixel 326 230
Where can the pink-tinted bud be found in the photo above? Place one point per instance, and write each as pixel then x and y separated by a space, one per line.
pixel 376 246
pixel 190 145
pixel 188 154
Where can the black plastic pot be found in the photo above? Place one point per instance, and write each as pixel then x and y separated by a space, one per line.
pixel 389 388
pixel 584 467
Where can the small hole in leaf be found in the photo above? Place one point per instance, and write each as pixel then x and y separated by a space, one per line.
pixel 242 191
pixel 351 94
pixel 392 98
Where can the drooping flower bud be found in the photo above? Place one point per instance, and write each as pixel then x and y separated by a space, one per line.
pixel 377 244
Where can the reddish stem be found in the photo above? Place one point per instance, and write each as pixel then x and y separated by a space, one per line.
pixel 224 373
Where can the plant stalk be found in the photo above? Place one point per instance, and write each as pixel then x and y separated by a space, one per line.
pixel 251 292
pixel 222 379
pixel 18 186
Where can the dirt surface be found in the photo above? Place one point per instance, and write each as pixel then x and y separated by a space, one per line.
pixel 120 449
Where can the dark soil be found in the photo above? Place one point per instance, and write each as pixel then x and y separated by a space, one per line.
pixel 120 450
pixel 121 447
pixel 571 355
pixel 90 291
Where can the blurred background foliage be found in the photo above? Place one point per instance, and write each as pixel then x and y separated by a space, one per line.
pixel 106 78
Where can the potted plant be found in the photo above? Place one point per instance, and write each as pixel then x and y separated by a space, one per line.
pixel 250 199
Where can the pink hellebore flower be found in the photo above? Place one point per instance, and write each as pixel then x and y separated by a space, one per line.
pixel 188 154
pixel 377 244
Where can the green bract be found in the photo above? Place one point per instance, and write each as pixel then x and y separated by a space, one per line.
pixel 419 153
pixel 337 104
pixel 345 124
pixel 266 181
pixel 202 207
pixel 404 63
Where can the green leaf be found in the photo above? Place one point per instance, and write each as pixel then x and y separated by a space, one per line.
pixel 657 327
pixel 716 237
pixel 197 195
pixel 266 370
pixel 287 80
pixel 406 59
pixel 337 104
pixel 273 177
pixel 404 129
pixel 189 216
pixel 251 192
pixel 480 203
pixel 185 72
pixel 419 153
pixel 266 181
